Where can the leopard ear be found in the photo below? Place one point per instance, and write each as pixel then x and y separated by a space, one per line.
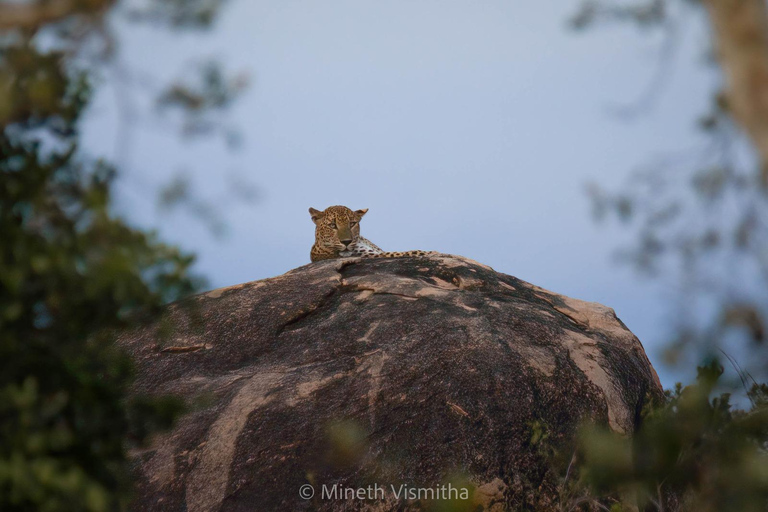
pixel 316 215
pixel 360 213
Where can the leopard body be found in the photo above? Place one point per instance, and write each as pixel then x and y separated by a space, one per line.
pixel 337 235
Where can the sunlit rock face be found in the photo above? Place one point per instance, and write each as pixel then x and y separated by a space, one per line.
pixel 385 384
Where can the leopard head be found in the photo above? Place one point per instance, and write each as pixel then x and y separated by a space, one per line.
pixel 336 229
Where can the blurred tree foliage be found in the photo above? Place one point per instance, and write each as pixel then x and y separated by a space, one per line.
pixel 701 214
pixel 692 453
pixel 71 271
pixel 701 217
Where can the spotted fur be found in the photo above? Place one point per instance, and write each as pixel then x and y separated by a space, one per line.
pixel 337 235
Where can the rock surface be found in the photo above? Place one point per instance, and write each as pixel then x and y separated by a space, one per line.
pixel 372 374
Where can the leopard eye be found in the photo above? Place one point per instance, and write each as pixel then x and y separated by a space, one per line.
pixel 333 225
pixel 353 223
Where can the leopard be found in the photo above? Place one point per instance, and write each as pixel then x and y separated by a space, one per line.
pixel 337 235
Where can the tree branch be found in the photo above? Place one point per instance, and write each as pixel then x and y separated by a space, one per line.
pixel 741 33
pixel 31 16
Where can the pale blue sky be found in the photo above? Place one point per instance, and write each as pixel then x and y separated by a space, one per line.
pixel 465 127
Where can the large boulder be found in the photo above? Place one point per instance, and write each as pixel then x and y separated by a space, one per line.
pixel 407 382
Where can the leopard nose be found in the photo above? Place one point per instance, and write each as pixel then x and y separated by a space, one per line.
pixel 346 242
